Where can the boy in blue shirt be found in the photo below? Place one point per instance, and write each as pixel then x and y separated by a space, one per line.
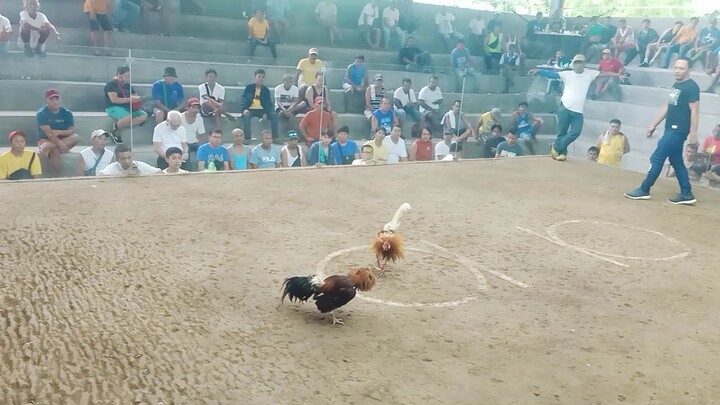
pixel 213 152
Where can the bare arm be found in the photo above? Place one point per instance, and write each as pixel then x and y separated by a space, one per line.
pixel 626 145
pixel 694 118
pixel 81 166
pixel 283 158
pixel 158 149
pixel 373 123
pixel 298 72
pixel 413 152
pixel 367 99
pixel 52 136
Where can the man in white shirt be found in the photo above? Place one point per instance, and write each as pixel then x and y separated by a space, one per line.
pixel 35 28
pixel 430 99
pixel 326 15
pixel 476 30
pixel 5 33
pixel 194 125
pixel 167 134
pixel 95 158
pixel 444 21
pixel 212 97
pixel 367 24
pixel 396 147
pixel 125 165
pixel 390 21
pixel 443 148
pixel 406 104
pixel 287 102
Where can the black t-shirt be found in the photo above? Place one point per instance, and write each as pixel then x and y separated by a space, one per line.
pixel 409 53
pixel 113 87
pixel 532 28
pixel 490 144
pixel 678 113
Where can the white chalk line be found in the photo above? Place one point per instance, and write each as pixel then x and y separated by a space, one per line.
pixel 471 265
pixel 482 283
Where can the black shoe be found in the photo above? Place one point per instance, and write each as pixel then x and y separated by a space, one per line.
pixel 39 52
pixel 115 135
pixel 644 64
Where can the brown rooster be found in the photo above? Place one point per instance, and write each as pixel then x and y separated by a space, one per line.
pixel 389 245
pixel 331 293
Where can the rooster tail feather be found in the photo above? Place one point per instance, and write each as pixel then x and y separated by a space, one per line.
pixel 394 224
pixel 300 288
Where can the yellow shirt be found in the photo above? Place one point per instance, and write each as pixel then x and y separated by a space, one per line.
pixel 379 152
pixel 256 100
pixel 258 29
pixel 611 150
pixel 309 70
pixel 686 34
pixel 9 164
pixel 487 123
pixel 97 6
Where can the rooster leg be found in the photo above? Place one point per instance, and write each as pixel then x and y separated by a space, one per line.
pixel 380 267
pixel 336 320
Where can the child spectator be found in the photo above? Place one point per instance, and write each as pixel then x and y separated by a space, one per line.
pixel 173 157
pixel 366 157
pixel 593 153
pixel 422 148
pixel 212 156
pixel 320 152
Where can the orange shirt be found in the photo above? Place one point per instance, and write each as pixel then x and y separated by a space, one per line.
pixel 686 34
pixel 97 6
pixel 258 29
pixel 311 123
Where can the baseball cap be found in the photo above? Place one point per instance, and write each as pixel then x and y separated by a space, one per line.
pixel 292 134
pixel 12 134
pixel 98 133
pixel 378 77
pixel 606 51
pixel 49 93
pixel 312 51
pixel 578 58
pixel 193 101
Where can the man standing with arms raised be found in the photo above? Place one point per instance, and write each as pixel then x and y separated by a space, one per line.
pixel 681 114
pixel 570 114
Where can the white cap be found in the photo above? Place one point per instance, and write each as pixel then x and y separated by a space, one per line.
pixel 98 133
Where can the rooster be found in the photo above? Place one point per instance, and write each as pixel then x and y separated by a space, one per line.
pixel 389 245
pixel 331 293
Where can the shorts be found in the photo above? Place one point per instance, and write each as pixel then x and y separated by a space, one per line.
pixel 347 87
pixel 366 29
pixel 118 112
pixel 101 21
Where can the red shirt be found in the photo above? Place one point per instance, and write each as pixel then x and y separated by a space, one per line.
pixel 708 144
pixel 311 123
pixel 424 150
pixel 611 65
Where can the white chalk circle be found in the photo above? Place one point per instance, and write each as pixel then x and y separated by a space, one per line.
pixel 552 233
pixel 482 282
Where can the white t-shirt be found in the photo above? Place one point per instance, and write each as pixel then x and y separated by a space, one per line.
pixel 359 162
pixel 390 16
pixel 169 137
pixel 89 158
pixel 430 96
pixel 114 169
pixel 180 171
pixel 444 23
pixel 36 22
pixel 218 92
pixel 404 98
pixel 326 10
pixel 441 149
pixel 395 150
pixel 285 96
pixel 371 12
pixel 192 131
pixel 5 24
pixel 477 26
pixel 576 88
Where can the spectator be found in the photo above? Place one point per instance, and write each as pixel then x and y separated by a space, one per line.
pixel 291 155
pixel 509 65
pixel 560 61
pixel 18 163
pixel 212 156
pixel 56 129
pixel 258 34
pixel 287 102
pixel 383 117
pixel 692 161
pixel 487 121
pixel 396 147
pixel 126 14
pixel 169 96
pixel 239 153
pixel 407 16
pixel 314 122
pixel 444 21
pixel 407 105
pixel 493 46
pixel 624 39
pixel 495 20
pixel 320 92
pixel 706 43
pixel 35 28
pixel 656 49
pixel 356 78
pixel 613 144
pixel 125 165
pixel 531 35
pixel 446 146
pixel 212 97
pixel 173 157
pixel 194 125
pixel 476 34
pixel 431 99
pixel 643 39
pixel 374 95
pixel 414 59
pixel 422 149
pixel 462 65
pixel 120 99
pixel 366 157
pixel 257 103
pixel 615 69
pixel 390 24
pixel 369 24
pixel 5 33
pixel 711 145
pixel 527 126
pixel 307 69
pixel 98 16
pixel 168 134
pixel 509 147
pixel 380 149
pixel 491 143
pixel 714 79
pixel 593 153
pixel 320 152
pixel 94 159
pixel 345 150
pixel 148 6
pixel 594 35
pixel 457 122
pixel 326 15
pixel 608 32
pixel 265 155
pixel 683 41
pixel 277 13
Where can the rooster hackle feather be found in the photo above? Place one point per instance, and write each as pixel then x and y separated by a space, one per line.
pixel 388 244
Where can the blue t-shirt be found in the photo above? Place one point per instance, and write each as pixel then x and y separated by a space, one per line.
pixel 265 159
pixel 344 155
pixel 385 120
pixel 61 121
pixel 357 73
pixel 708 35
pixel 678 113
pixel 208 154
pixel 504 146
pixel 171 95
pixel 460 58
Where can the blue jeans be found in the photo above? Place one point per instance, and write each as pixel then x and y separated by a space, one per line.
pixel 570 125
pixel 681 50
pixel 424 63
pixel 670 147
pixel 387 32
pixel 126 13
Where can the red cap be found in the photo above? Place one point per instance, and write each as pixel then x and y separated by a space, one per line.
pixel 12 134
pixel 193 101
pixel 51 93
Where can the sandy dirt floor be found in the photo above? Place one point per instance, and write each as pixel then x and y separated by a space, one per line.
pixel 165 290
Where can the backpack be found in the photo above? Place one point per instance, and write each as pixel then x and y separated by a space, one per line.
pixel 23 174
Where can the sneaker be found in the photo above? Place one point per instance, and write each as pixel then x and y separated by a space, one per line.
pixel 682 199
pixel 115 135
pixel 644 64
pixel 637 194
pixel 553 152
pixel 561 158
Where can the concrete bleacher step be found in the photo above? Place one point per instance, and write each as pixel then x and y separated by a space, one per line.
pixel 655 96
pixel 660 78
